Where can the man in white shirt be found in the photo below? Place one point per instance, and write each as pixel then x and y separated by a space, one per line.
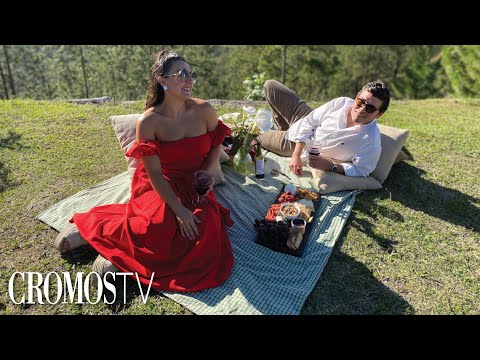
pixel 343 131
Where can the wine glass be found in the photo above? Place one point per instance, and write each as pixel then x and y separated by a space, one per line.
pixel 202 181
pixel 313 151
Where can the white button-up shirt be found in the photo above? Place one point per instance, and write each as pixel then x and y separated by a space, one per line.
pixel 358 148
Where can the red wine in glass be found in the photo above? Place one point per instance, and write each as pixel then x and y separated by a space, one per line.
pixel 202 181
pixel 314 150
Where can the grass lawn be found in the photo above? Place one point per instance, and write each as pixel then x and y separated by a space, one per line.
pixel 412 247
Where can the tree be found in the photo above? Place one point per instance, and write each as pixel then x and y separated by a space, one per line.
pixel 10 76
pixel 83 71
pixel 419 75
pixel 461 66
pixel 4 82
pixel 284 62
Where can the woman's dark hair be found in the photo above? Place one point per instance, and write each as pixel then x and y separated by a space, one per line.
pixel 380 91
pixel 163 63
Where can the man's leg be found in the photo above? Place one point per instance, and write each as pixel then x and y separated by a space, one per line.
pixel 287 108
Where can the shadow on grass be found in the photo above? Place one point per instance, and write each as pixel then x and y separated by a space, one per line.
pixel 10 141
pixel 126 289
pixel 348 287
pixel 407 186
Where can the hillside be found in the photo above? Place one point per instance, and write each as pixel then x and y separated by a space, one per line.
pixel 412 247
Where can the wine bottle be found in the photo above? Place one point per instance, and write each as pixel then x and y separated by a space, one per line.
pixel 259 163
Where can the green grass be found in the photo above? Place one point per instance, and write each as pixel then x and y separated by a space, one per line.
pixel 411 248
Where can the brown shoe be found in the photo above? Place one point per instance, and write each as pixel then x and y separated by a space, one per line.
pixel 69 239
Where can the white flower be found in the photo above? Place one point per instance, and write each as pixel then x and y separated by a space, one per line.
pixel 263 119
pixel 250 110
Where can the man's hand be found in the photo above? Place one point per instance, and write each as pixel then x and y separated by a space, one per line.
pixel 296 165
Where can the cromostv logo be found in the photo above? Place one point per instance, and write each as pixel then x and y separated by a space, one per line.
pixel 34 288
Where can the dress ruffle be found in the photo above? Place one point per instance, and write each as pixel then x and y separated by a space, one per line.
pixel 219 133
pixel 146 148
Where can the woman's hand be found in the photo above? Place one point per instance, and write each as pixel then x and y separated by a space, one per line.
pixel 187 223
pixel 296 165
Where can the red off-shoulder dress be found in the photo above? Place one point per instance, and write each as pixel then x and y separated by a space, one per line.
pixel 143 236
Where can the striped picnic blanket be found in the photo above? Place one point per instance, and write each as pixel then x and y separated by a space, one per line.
pixel 262 281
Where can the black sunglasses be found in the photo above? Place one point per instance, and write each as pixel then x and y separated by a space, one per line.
pixel 184 75
pixel 368 107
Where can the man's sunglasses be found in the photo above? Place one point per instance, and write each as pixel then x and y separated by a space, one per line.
pixel 184 75
pixel 368 107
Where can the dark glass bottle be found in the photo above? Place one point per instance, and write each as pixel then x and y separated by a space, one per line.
pixel 259 163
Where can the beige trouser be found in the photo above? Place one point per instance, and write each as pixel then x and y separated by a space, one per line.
pixel 287 108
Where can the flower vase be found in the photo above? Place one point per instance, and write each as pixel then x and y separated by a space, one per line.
pixel 242 161
pixel 237 142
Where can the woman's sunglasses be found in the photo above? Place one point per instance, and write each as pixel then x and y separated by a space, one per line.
pixel 368 107
pixel 184 75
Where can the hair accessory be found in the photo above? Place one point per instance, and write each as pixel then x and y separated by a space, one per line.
pixel 165 87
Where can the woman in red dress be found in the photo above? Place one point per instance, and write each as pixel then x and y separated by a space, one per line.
pixel 159 232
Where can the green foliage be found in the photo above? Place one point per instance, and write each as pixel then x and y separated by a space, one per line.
pixel 314 72
pixel 254 87
pixel 409 248
pixel 461 66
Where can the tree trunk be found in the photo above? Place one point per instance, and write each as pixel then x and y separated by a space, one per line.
pixel 114 81
pixel 4 82
pixel 284 62
pixel 84 72
pixel 12 84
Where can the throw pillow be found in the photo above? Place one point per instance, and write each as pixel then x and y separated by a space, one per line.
pixel 400 157
pixel 328 182
pixel 124 127
pixel 224 156
pixel 392 141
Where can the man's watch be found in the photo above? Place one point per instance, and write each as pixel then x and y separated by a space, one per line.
pixel 334 167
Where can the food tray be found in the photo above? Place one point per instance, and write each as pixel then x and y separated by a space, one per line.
pixel 275 244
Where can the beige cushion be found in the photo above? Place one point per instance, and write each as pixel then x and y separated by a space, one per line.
pixel 125 130
pixel 224 156
pixel 400 157
pixel 329 182
pixel 218 174
pixel 124 127
pixel 392 142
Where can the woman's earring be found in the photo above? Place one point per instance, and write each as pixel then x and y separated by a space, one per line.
pixel 165 87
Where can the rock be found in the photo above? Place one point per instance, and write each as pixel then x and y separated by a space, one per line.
pixel 98 100
pixel 238 103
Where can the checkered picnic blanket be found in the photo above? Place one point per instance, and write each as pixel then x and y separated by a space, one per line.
pixel 262 281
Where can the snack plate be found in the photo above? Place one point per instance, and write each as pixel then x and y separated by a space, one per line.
pixel 282 247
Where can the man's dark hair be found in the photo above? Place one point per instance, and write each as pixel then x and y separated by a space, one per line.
pixel 380 91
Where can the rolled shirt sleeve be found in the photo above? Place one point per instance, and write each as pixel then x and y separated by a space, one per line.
pixel 364 161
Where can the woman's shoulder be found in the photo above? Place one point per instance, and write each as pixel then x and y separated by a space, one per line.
pixel 150 123
pixel 199 105
pixel 149 116
pixel 202 109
